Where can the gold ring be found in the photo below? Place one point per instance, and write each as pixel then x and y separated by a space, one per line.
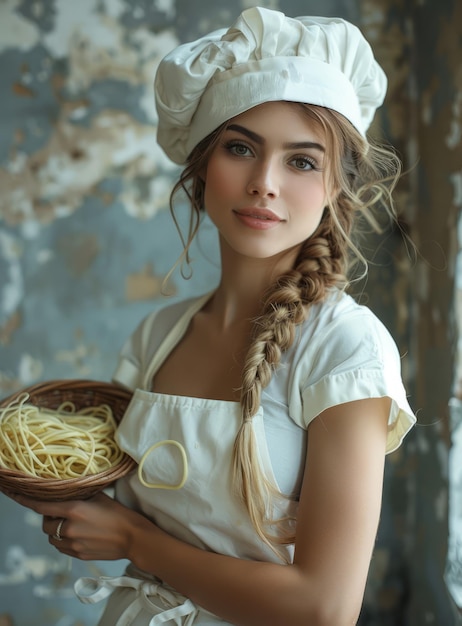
pixel 57 534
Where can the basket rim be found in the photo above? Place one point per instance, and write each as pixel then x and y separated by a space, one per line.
pixel 69 384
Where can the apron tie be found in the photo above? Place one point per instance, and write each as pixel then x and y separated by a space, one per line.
pixel 93 590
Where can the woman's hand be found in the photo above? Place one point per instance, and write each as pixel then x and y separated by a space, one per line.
pixel 95 529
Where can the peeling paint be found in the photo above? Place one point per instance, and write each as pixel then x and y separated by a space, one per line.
pixel 71 20
pixel 54 181
pixel 30 369
pixel 144 285
pixel 455 135
pixel 456 180
pixel 15 31
pixel 9 327
pixel 144 208
pixel 166 6
pixel 78 251
pixel 12 284
pixel 77 358
pixel 454 568
pixel 20 567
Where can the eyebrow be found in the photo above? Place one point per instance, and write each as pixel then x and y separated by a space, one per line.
pixel 290 145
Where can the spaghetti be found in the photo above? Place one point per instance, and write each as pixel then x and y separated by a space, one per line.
pixel 57 443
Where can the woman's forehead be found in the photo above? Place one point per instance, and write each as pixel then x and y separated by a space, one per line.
pixel 280 118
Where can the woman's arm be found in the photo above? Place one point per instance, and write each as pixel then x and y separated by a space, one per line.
pixel 336 528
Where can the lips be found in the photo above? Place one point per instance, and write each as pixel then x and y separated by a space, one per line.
pixel 259 214
pixel 258 218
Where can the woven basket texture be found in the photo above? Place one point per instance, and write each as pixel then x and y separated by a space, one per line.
pixel 83 393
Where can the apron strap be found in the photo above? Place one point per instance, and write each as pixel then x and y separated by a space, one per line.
pixel 93 590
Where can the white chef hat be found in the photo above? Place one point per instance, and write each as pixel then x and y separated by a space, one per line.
pixel 265 56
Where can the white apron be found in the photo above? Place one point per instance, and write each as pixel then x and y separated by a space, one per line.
pixel 204 512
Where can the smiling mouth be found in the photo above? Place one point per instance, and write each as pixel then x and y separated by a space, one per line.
pixel 258 219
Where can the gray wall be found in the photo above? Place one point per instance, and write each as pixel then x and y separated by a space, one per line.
pixel 85 240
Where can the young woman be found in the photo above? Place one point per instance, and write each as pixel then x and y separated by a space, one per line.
pixel 262 411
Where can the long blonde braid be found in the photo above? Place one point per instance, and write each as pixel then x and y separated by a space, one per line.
pixel 286 305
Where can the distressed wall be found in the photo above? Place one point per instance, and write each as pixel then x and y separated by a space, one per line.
pixel 438 204
pixel 85 240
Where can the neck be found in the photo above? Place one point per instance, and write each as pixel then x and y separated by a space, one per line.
pixel 243 283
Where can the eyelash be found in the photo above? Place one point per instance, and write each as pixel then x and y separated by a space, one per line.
pixel 231 147
pixel 307 160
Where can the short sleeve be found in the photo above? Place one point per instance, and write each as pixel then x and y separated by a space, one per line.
pixel 130 366
pixel 356 359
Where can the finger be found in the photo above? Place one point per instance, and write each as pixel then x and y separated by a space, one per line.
pixel 30 503
pixel 50 524
pixel 43 507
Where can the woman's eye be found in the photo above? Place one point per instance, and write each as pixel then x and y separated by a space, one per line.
pixel 239 149
pixel 303 163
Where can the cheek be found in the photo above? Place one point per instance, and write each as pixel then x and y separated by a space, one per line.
pixel 220 181
pixel 312 196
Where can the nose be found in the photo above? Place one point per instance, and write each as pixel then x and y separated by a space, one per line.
pixel 264 180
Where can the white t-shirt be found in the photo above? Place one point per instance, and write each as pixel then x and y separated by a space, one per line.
pixel 341 353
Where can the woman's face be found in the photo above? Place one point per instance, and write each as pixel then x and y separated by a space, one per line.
pixel 264 183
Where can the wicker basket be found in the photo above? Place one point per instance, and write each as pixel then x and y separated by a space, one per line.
pixel 83 393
